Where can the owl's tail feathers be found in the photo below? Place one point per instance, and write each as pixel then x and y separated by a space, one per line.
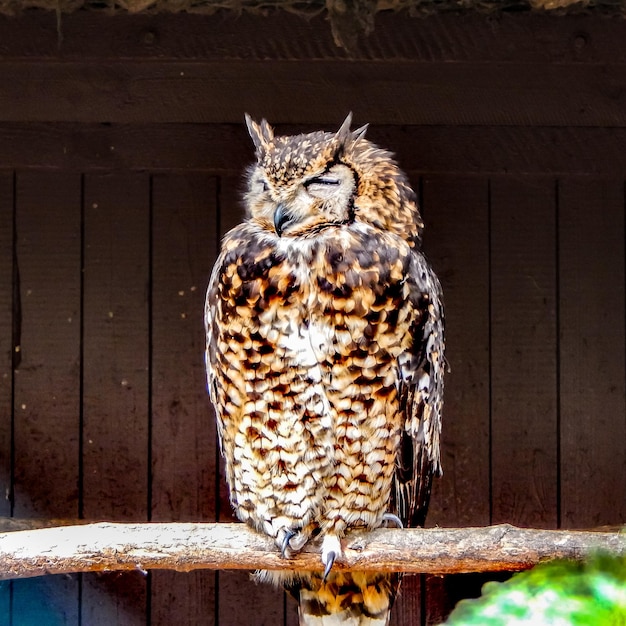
pixel 347 599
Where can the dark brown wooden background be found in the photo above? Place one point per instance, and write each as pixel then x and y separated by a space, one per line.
pixel 121 152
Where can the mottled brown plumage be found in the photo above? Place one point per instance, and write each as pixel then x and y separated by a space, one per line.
pixel 325 358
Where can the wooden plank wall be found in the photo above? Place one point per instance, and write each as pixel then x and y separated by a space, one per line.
pixel 121 153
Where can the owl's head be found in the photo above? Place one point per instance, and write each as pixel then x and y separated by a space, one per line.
pixel 302 184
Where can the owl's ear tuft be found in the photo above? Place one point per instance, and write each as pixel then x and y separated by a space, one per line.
pixel 343 134
pixel 359 133
pixel 346 138
pixel 261 134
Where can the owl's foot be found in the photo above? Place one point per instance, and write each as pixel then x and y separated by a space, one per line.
pixel 290 541
pixel 331 550
pixel 393 519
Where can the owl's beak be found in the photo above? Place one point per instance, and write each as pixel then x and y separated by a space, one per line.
pixel 281 217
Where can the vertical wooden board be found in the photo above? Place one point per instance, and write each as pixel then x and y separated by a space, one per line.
pixel 185 599
pixel 291 611
pixel 6 364
pixel 184 246
pixel 241 600
pixel 408 605
pixel 116 346
pixel 47 385
pixel 5 602
pixel 523 351
pixel 456 211
pixel 47 381
pixel 439 603
pixel 49 600
pixel 591 312
pixel 184 472
pixel 6 342
pixel 115 378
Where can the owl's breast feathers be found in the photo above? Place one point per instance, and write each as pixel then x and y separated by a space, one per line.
pixel 316 359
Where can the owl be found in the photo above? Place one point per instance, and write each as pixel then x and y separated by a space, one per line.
pixel 325 359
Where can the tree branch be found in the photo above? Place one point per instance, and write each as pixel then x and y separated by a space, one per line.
pixel 107 546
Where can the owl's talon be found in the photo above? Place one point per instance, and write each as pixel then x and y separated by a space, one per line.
pixel 391 517
pixel 289 533
pixel 331 550
pixel 331 556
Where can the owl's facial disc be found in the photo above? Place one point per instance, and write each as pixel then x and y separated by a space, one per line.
pixel 316 201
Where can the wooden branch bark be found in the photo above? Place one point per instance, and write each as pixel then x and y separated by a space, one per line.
pixel 108 546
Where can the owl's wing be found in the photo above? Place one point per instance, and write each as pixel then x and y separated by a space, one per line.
pixel 421 397
pixel 210 321
pixel 216 308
